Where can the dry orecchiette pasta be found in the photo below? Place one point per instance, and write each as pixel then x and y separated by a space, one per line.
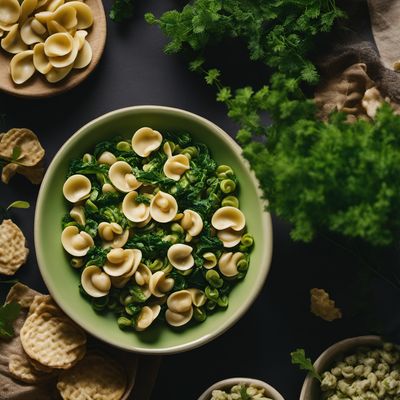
pixel 113 234
pixel 229 237
pixel 122 261
pixel 135 212
pixel 228 263
pixel 107 158
pixel 78 214
pixel 75 242
pixel 76 188
pixel 121 176
pixel 176 166
pixel 95 282
pixel 180 256
pixel 228 217
pixel 178 319
pixel 163 207
pixel 198 297
pixel 47 36
pixel 146 140
pixel 210 260
pixel 159 284
pixel 180 301
pixel 192 222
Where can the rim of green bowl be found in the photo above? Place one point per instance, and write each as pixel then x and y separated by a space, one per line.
pixel 265 221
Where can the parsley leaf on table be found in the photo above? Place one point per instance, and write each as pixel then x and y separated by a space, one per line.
pixel 8 314
pixel 299 358
pixel 121 9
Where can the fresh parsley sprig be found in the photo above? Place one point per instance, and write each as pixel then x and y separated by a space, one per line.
pixel 8 314
pixel 299 358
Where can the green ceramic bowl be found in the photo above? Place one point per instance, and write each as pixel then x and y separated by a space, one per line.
pixel 62 280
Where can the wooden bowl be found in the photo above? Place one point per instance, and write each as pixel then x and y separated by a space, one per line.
pixel 37 86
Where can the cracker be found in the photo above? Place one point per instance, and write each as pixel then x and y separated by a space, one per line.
pixel 95 377
pixel 322 306
pixel 13 252
pixel 21 369
pixel 44 303
pixel 53 341
pixel 21 294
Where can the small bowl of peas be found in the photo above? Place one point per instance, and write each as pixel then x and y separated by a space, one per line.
pixel 241 389
pixel 361 368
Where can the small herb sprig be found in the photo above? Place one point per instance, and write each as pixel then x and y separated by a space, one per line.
pixel 299 358
pixel 8 314
pixel 5 211
pixel 121 10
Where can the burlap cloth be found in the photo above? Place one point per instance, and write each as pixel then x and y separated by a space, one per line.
pixel 11 389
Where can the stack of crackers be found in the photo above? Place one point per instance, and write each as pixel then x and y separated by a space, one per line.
pixel 48 358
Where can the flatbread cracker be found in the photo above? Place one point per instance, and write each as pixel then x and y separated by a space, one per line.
pixel 95 377
pixel 53 341
pixel 21 294
pixel 13 251
pixel 21 369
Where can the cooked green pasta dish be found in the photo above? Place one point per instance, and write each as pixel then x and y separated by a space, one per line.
pixel 155 229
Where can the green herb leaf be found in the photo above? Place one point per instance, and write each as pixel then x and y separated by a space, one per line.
pixel 121 10
pixel 8 314
pixel 243 393
pixel 19 204
pixel 299 358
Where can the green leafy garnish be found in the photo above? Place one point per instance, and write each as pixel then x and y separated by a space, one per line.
pixel 19 204
pixel 243 393
pixel 299 358
pixel 8 314
pixel 121 9
pixel 16 153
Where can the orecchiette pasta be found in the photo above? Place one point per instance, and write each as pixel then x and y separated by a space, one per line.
pixel 163 207
pixel 122 261
pixel 142 275
pixel 180 301
pixel 78 214
pixel 107 158
pixel 159 284
pixel 210 260
pixel 135 212
pixel 180 256
pixel 192 222
pixel 228 217
pixel 229 237
pixel 76 188
pixel 62 29
pixel 146 140
pixel 113 234
pixel 178 319
pixel 176 166
pixel 147 315
pixel 121 176
pixel 95 282
pixel 198 297
pixel 228 263
pixel 76 243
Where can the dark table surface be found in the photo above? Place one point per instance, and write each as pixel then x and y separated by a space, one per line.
pixel 135 71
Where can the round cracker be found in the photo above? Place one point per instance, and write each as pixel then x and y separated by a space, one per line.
pixel 21 369
pixel 53 341
pixel 95 377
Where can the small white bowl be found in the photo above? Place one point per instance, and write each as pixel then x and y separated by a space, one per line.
pixel 310 389
pixel 228 383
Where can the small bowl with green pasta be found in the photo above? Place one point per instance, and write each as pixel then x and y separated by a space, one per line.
pixel 163 240
pixel 241 389
pixel 359 368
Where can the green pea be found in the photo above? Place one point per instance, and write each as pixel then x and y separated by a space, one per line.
pixel 185 273
pixel 190 152
pixel 132 309
pixel 94 195
pixel 227 185
pixel 76 262
pixel 128 300
pixel 122 296
pixel 112 305
pixel 210 305
pixel 176 228
pixel 124 322
pixel 223 301
pixel 247 240
pixel 156 265
pixel 167 269
pixel 214 279
pixel 123 146
pixel 191 177
pixel 173 238
pixel 231 201
pixel 100 303
pixel 242 265
pixel 199 314
pixel 184 182
pixel 91 206
pixel 72 223
pixel 87 158
pixel 224 171
pixel 211 293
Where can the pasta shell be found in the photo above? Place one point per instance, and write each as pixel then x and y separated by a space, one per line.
pixel 95 282
pixel 176 166
pixel 82 36
pixel 40 60
pixel 228 217
pixel 159 284
pixel 27 8
pixel 1 32
pixel 84 14
pixel 76 243
pixel 192 222
pixel 113 234
pixel 135 212
pixel 145 140
pixel 52 5
pixel 229 237
pixel 120 262
pixel 58 74
pixel 66 16
pixel 76 188
pixel 10 11
pixel 44 17
pixel 58 45
pixel 180 301
pixel 106 157
pixel 78 214
pixel 163 207
pixel 178 319
pixel 228 263
pixel 12 43
pixel 198 297
pixel 146 317
pixel 121 176
pixel 68 59
pixel 41 3
pixel 6 28
pixel 38 27
pixel 54 27
pixel 28 35
pixel 143 275
pixel 22 67
pixel 84 57
pixel 180 256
